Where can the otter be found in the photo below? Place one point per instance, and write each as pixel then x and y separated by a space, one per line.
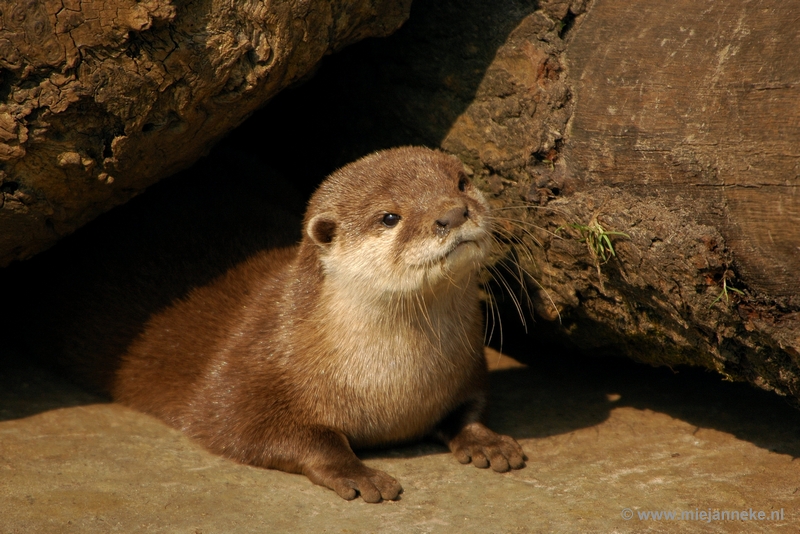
pixel 367 333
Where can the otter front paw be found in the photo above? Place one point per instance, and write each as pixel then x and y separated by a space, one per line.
pixel 352 480
pixel 482 447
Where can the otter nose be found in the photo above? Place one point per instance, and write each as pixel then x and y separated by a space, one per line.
pixel 452 219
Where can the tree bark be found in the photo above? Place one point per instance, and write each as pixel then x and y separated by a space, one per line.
pixel 687 120
pixel 696 103
pixel 101 98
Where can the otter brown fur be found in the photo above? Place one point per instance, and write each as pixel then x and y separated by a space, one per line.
pixel 369 332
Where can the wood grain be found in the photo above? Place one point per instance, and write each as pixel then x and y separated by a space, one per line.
pixel 698 103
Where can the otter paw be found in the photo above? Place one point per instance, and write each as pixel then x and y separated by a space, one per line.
pixel 349 482
pixel 479 445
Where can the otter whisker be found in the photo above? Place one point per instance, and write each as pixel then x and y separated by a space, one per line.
pixel 499 277
pixel 518 277
pixel 519 225
pixel 492 309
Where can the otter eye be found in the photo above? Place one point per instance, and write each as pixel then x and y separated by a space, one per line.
pixel 390 220
pixel 463 182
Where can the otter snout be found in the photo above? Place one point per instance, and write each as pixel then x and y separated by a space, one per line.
pixel 451 220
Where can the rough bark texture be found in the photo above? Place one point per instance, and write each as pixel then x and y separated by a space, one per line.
pixel 673 123
pixel 697 103
pixel 688 112
pixel 101 98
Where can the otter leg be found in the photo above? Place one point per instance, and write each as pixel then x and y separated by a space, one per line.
pixel 328 460
pixel 471 441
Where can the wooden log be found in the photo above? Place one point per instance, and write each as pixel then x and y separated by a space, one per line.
pixel 692 108
pixel 697 103
pixel 101 98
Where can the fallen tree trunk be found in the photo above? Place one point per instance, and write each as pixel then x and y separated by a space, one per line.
pixel 687 120
pixel 698 105
pixel 684 138
pixel 101 98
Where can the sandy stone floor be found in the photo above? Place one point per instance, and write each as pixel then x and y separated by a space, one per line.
pixel 608 442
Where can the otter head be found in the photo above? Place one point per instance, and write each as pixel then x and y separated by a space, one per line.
pixel 400 220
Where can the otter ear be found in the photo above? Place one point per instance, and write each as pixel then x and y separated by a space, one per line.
pixel 321 229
